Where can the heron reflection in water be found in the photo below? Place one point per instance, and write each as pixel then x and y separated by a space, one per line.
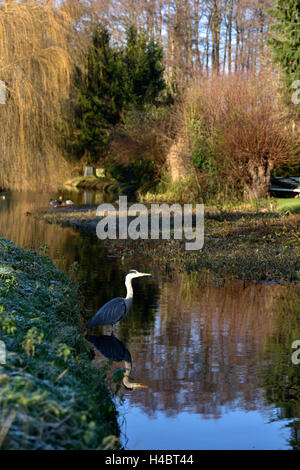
pixel 113 349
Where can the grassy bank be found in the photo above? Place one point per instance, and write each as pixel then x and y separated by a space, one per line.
pixel 289 204
pixel 51 396
pixel 91 182
pixel 249 241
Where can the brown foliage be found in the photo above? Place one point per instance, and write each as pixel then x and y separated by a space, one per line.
pixel 243 127
pixel 140 139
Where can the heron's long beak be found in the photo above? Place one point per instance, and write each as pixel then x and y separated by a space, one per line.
pixel 145 274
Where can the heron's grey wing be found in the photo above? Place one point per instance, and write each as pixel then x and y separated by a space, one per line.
pixel 110 313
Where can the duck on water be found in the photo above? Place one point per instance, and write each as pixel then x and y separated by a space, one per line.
pixel 59 202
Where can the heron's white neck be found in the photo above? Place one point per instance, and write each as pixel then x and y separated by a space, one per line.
pixel 128 284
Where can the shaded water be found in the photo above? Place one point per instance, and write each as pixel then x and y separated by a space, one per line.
pixel 214 359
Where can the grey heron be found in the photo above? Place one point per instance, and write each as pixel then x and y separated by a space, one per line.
pixel 114 310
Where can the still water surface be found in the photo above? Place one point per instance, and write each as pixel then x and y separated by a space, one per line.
pixel 213 360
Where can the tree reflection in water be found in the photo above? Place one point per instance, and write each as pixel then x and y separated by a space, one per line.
pixel 281 378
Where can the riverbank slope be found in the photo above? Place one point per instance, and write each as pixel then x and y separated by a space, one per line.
pixel 51 396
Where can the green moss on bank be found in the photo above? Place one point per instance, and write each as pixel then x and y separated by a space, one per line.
pixel 51 396
pixel 289 204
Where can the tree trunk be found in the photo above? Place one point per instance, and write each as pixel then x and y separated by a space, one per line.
pixel 179 163
pixel 260 177
pixel 230 16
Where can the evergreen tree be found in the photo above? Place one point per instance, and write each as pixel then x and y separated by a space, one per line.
pixel 102 96
pixel 286 38
pixel 144 67
pixel 116 79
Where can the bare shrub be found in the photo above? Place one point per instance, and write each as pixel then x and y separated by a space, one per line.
pixel 241 130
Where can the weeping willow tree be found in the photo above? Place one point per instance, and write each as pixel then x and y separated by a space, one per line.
pixel 36 66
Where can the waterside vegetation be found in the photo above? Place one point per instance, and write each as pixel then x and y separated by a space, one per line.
pixel 51 395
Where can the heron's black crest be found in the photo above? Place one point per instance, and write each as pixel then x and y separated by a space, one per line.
pixel 132 271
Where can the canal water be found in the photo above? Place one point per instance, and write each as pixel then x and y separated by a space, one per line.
pixel 211 361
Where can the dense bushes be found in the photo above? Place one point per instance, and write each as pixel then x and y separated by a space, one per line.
pixel 136 154
pixel 238 131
